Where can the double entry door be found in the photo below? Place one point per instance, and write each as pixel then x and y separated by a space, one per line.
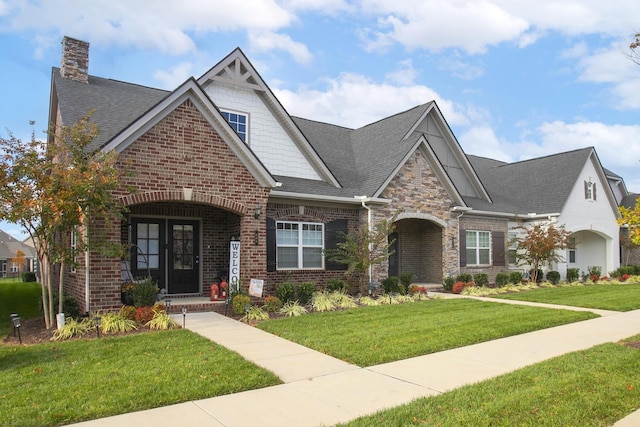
pixel 168 250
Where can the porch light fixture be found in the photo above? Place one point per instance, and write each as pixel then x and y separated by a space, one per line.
pixel 184 317
pixel 16 326
pixel 96 321
pixel 256 212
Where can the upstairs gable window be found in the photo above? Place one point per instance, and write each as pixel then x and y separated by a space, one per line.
pixel 590 190
pixel 239 122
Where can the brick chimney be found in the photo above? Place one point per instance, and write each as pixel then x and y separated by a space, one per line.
pixel 75 60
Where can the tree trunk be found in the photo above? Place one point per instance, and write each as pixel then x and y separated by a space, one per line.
pixel 61 288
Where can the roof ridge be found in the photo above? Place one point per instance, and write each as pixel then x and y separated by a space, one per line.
pixel 122 82
pixel 549 155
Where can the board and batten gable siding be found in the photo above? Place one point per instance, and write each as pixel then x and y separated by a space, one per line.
pixel 449 160
pixel 267 138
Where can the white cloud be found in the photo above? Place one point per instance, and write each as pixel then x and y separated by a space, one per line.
pixel 463 70
pixel 268 41
pixel 365 100
pixel 404 75
pixel 175 76
pixel 482 141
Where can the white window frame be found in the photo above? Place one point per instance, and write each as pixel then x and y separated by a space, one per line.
pixel 572 250
pixel 300 245
pixel 234 125
pixel 589 192
pixel 478 248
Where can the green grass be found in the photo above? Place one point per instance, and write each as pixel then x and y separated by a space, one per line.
pixel 595 387
pixel 59 383
pixel 624 297
pixel 368 336
pixel 18 297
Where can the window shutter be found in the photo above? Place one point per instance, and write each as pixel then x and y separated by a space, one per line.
pixel 594 191
pixel 332 236
pixel 497 246
pixel 271 244
pixel 462 247
pixel 586 190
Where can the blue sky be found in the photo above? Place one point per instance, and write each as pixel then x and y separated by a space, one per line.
pixel 514 79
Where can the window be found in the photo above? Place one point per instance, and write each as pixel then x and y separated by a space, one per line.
pixel 15 268
pixel 478 247
pixel 590 190
pixel 299 245
pixel 513 246
pixel 572 250
pixel 239 122
pixel 148 241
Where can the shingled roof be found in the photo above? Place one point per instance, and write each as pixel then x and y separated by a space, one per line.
pixel 540 185
pixel 9 246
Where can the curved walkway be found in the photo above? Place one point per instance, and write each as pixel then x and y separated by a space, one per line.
pixel 320 390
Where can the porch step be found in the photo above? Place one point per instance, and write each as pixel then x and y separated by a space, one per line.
pixel 195 305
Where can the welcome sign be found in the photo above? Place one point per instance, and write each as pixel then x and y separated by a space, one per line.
pixel 234 266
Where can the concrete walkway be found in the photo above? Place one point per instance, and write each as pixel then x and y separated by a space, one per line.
pixel 320 390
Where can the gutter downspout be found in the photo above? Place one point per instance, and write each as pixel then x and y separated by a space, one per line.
pixel 363 201
pixel 86 268
pixel 462 210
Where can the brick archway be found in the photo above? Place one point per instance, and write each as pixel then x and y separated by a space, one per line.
pixel 185 195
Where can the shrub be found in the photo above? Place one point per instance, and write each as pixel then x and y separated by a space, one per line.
pixel 502 279
pixel 239 302
pixel 272 304
pixel 143 314
pixel 112 323
pixel 161 320
pixel 573 274
pixel 128 312
pixel 144 293
pixel 448 282
pixel 292 308
pixel 481 279
pixel 391 285
pixel 335 285
pixel 406 279
pixel 304 292
pixel 515 277
pixel 342 299
pixel 255 314
pixel 322 302
pixel 28 276
pixel 285 291
pixel 72 328
pixel 69 305
pixel 464 277
pixel 553 277
pixel 459 286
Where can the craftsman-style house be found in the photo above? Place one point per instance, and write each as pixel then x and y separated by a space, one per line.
pixel 219 160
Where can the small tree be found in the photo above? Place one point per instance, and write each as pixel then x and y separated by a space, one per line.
pixel 363 249
pixel 630 218
pixel 540 245
pixel 19 260
pixel 54 188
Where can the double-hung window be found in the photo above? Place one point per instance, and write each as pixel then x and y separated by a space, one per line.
pixel 299 245
pixel 239 122
pixel 478 247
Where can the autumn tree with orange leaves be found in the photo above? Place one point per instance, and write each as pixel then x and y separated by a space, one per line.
pixel 51 189
pixel 539 246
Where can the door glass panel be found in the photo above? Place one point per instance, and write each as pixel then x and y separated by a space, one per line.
pixel 182 247
pixel 148 242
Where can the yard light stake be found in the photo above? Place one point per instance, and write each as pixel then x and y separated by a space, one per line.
pixel 13 316
pixel 96 321
pixel 167 302
pixel 184 316
pixel 16 327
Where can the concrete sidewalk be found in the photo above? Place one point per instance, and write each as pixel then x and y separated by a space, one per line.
pixel 320 390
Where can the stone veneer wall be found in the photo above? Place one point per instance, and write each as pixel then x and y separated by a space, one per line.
pixel 417 194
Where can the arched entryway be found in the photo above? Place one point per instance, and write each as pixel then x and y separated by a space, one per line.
pixel 417 249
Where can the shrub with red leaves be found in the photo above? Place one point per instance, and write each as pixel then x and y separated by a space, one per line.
pixel 459 287
pixel 143 314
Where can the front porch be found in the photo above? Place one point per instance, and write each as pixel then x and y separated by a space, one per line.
pixel 195 304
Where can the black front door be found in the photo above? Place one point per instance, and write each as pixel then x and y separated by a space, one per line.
pixel 394 256
pixel 147 253
pixel 184 257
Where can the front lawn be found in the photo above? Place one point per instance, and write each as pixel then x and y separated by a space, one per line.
pixel 18 297
pixel 369 336
pixel 66 382
pixel 622 297
pixel 594 387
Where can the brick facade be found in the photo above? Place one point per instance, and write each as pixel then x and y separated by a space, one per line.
pixel 183 152
pixel 492 225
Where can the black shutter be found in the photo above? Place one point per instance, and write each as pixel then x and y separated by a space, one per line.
pixel 334 232
pixel 271 244
pixel 586 190
pixel 497 246
pixel 462 247
pixel 594 191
